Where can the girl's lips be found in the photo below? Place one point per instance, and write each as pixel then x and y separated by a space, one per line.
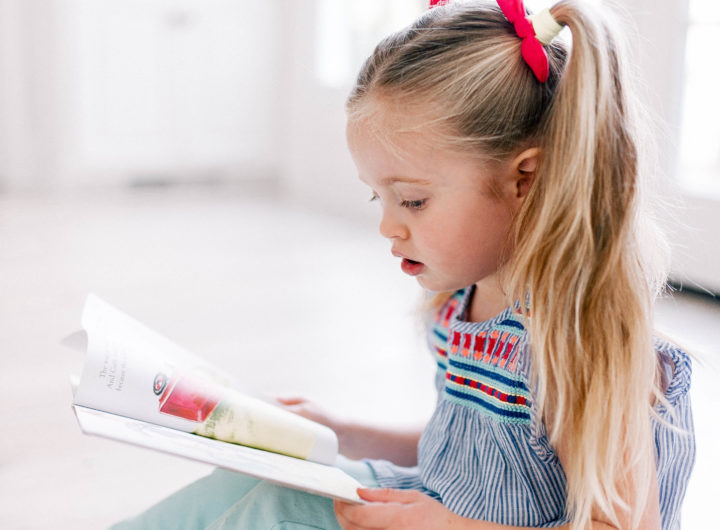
pixel 410 267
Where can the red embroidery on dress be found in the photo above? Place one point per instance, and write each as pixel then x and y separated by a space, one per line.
pixel 455 344
pixel 479 346
pixel 508 348
pixel 491 346
pixel 466 345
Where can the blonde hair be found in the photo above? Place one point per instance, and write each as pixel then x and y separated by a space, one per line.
pixel 577 256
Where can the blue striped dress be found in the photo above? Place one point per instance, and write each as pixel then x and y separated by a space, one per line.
pixel 485 453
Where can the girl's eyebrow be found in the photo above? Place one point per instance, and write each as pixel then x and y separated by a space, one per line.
pixel 408 180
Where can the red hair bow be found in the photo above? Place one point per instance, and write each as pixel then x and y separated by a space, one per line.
pixel 532 49
pixel 434 3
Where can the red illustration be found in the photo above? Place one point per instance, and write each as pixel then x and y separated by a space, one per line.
pixel 187 397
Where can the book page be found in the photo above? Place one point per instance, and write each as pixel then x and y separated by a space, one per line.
pixel 132 371
pixel 315 478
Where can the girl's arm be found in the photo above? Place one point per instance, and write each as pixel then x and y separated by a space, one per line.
pixel 356 440
pixel 398 445
pixel 406 509
pixel 409 509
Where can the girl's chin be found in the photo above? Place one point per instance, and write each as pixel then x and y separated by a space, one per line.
pixel 437 285
pixel 430 284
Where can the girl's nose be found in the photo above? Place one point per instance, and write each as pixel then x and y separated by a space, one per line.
pixel 392 228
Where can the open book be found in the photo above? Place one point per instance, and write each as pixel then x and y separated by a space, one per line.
pixel 140 388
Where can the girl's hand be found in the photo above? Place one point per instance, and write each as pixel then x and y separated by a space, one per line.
pixel 395 509
pixel 308 409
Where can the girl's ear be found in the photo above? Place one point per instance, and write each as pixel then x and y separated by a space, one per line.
pixel 523 167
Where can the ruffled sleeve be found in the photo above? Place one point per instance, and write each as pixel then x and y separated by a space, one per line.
pixel 674 432
pixel 677 368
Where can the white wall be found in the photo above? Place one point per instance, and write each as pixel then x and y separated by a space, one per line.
pixel 99 92
pixel 31 93
pixel 690 219
pixel 316 166
pixel 693 219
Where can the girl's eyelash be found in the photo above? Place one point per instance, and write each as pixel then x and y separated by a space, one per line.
pixel 413 205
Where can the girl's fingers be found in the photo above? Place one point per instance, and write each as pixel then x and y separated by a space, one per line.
pixel 340 508
pixel 290 400
pixel 389 495
pixel 306 409
pixel 347 525
pixel 367 516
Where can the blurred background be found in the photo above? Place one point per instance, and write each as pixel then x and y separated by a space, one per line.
pixel 186 161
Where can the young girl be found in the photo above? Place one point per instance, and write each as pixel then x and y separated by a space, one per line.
pixel 506 166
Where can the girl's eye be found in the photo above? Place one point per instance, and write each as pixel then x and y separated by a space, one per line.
pixel 414 205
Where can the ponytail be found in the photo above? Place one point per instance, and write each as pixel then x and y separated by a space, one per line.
pixel 590 290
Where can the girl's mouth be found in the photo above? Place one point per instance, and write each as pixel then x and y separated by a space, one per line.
pixel 410 267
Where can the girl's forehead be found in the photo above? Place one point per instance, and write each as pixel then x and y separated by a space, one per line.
pixel 385 143
pixel 394 134
pixel 394 115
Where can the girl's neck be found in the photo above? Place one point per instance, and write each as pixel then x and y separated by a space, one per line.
pixel 488 300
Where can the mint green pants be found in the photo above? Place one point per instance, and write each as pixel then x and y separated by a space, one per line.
pixel 225 499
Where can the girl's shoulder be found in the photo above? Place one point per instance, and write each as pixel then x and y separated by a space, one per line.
pixel 675 366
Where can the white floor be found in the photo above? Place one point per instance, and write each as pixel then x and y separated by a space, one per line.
pixel 289 300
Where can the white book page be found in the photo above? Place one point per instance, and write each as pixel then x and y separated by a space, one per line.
pixel 299 474
pixel 134 372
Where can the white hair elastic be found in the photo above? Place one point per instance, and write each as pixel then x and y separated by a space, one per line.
pixel 545 26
